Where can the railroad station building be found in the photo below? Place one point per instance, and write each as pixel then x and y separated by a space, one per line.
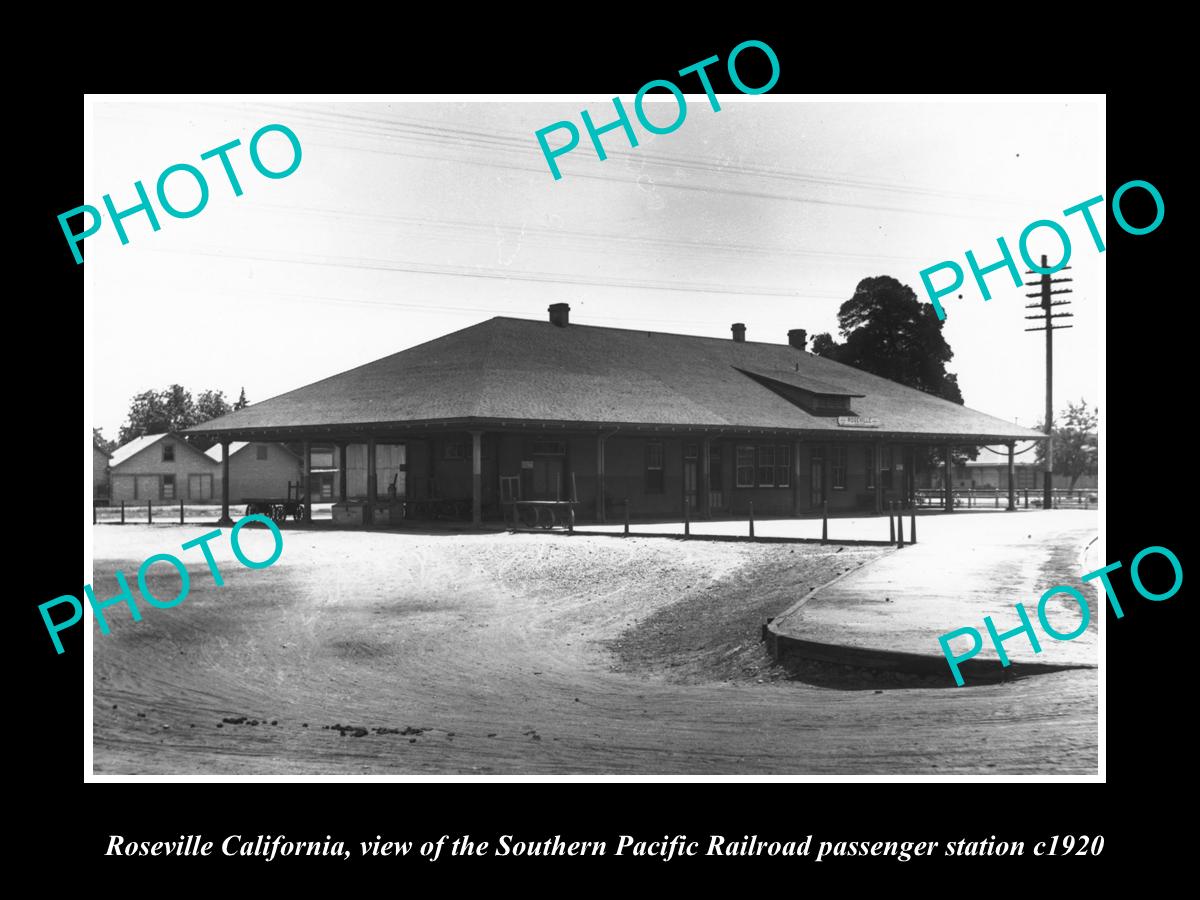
pixel 518 409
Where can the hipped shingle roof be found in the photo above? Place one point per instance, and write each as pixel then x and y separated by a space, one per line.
pixel 516 370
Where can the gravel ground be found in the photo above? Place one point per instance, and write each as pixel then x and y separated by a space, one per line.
pixel 403 653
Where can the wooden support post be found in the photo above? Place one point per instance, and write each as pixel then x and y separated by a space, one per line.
pixel 824 521
pixel 372 483
pixel 601 441
pixel 149 512
pixel 122 512
pixel 341 451
pixel 892 521
pixel 571 519
pixel 900 526
pixel 687 518
pixel 180 512
pixel 1012 496
pixel 93 512
pixel 307 481
pixel 477 479
pixel 947 468
pixel 751 518
pixel 912 530
pixel 879 478
pixel 796 511
pixel 224 520
pixel 627 515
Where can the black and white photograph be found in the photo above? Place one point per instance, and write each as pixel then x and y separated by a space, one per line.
pixel 691 435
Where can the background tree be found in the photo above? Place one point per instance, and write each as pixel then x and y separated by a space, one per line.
pixel 101 443
pixel 172 409
pixel 210 405
pixel 888 332
pixel 242 402
pixel 1076 442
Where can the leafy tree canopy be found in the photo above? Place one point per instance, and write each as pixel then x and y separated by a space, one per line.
pixel 1076 442
pixel 172 409
pixel 887 331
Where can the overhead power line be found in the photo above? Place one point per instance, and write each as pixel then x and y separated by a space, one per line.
pixel 505 275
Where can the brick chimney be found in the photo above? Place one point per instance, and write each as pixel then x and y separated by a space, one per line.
pixel 798 338
pixel 739 332
pixel 560 314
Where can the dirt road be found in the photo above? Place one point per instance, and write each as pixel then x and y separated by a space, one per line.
pixel 537 654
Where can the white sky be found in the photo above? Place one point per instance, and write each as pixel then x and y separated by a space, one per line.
pixel 409 220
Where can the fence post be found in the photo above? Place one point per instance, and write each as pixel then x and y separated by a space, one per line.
pixel 997 498
pixel 892 521
pixel 751 518
pixel 626 515
pixel 1027 498
pixel 93 512
pixel 149 512
pixel 687 518
pixel 912 530
pixel 824 521
pixel 180 512
pixel 122 512
pixel 571 520
pixel 900 525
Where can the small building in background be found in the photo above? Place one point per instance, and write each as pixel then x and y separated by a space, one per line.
pixel 989 471
pixel 258 470
pixel 99 475
pixel 162 467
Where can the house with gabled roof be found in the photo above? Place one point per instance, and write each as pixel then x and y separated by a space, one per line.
pixel 258 470
pixel 162 467
pixel 523 409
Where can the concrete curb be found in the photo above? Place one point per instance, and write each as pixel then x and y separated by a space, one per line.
pixel 784 648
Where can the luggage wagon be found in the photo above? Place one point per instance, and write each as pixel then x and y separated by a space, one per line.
pixel 277 508
pixel 544 513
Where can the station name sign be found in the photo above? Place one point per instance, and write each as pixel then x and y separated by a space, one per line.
pixel 858 421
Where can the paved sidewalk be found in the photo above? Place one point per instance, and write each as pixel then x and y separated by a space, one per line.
pixel 964 567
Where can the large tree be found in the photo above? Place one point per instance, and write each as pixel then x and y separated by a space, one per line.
pixel 1076 442
pixel 172 409
pixel 211 405
pixel 101 443
pixel 887 331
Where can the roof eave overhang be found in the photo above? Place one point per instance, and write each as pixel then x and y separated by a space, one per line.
pixel 362 430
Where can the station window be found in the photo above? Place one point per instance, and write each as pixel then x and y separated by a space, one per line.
pixel 869 457
pixel 655 479
pixel 783 471
pixel 766 466
pixel 168 453
pixel 837 468
pixel 763 465
pixel 745 466
pixel 261 451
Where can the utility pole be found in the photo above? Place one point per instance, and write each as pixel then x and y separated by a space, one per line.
pixel 1045 304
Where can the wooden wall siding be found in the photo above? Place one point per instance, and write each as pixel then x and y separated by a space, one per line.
pixel 250 476
pixel 139 478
